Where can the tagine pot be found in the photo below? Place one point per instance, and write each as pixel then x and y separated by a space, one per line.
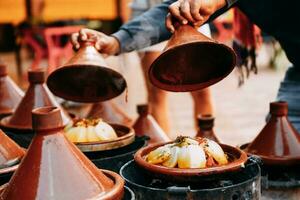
pixel 10 154
pixel 110 112
pixel 146 125
pixel 37 95
pixel 10 93
pixel 54 168
pixel 205 127
pixel 86 77
pixel 191 61
pixel 278 143
pixel 236 157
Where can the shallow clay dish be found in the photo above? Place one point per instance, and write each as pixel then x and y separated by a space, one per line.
pixel 236 158
pixel 125 134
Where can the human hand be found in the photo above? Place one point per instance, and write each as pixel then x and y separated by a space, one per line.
pixel 195 12
pixel 103 43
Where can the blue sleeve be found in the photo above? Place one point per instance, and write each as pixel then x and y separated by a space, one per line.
pixel 144 30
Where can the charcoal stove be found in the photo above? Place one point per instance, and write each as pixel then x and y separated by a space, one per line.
pixel 243 184
pixel 114 159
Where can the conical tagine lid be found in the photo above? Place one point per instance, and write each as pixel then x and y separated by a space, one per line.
pixel 146 125
pixel 54 168
pixel 10 152
pixel 191 61
pixel 37 95
pixel 86 77
pixel 10 93
pixel 110 112
pixel 278 142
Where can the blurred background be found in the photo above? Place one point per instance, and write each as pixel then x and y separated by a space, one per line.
pixel 35 33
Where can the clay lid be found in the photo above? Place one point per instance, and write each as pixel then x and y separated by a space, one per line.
pixel 37 95
pixel 110 112
pixel 54 168
pixel 191 61
pixel 86 77
pixel 10 93
pixel 145 124
pixel 278 142
pixel 10 153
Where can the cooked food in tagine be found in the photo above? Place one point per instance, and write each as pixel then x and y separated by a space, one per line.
pixel 186 152
pixel 90 130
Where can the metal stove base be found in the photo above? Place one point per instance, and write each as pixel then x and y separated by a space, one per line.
pixel 242 185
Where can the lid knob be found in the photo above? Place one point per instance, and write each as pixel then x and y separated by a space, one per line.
pixel 36 76
pixel 3 69
pixel 205 122
pixel 279 108
pixel 46 118
pixel 143 109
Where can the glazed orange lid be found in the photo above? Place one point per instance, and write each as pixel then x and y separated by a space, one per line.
pixel 54 168
pixel 37 95
pixel 86 77
pixel 10 152
pixel 10 93
pixel 278 142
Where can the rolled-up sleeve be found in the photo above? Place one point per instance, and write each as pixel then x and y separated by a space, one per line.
pixel 144 30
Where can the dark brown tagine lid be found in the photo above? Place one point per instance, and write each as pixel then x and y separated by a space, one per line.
pixel 37 95
pixel 110 112
pixel 10 153
pixel 278 142
pixel 147 125
pixel 10 93
pixel 54 168
pixel 86 77
pixel 205 127
pixel 191 61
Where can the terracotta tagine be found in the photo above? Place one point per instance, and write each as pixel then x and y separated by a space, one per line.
pixel 191 61
pixel 37 95
pixel 205 127
pixel 278 142
pixel 54 168
pixel 146 125
pixel 10 154
pixel 86 77
pixel 237 158
pixel 109 112
pixel 10 93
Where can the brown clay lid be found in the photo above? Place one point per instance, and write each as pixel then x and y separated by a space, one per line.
pixel 237 158
pixel 10 93
pixel 10 154
pixel 145 124
pixel 54 168
pixel 110 112
pixel 86 77
pixel 278 142
pixel 37 95
pixel 191 61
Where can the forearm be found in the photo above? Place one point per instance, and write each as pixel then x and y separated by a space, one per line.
pixel 145 30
